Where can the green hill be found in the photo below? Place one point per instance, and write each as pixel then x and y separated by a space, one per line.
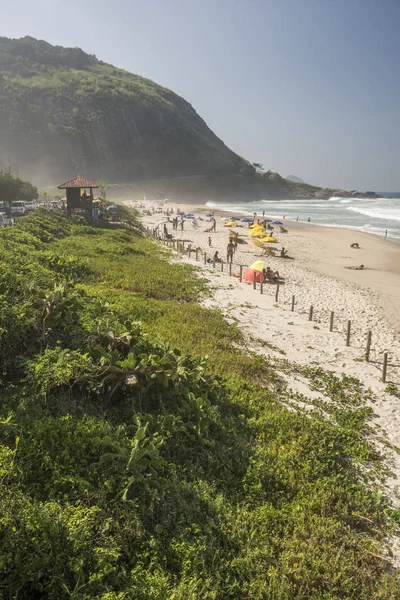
pixel 64 111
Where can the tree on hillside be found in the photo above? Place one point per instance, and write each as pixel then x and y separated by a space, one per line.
pixel 13 188
pixel 259 167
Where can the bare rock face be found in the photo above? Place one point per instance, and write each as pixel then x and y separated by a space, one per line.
pixel 63 111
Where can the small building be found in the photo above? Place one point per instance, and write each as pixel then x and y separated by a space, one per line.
pixel 79 194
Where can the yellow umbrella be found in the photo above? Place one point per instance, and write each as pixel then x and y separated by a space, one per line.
pixel 269 239
pixel 258 265
pixel 230 224
pixel 257 234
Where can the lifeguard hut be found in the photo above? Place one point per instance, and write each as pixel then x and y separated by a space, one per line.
pixel 78 196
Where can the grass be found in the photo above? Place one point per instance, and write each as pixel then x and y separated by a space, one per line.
pixel 147 452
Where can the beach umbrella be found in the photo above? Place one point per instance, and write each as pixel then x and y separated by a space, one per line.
pixel 113 207
pixel 179 212
pixel 257 268
pixel 190 217
pixel 230 224
pixel 277 223
pixel 258 233
pixel 209 215
pixel 235 218
pixel 268 220
pixel 268 239
pixel 247 220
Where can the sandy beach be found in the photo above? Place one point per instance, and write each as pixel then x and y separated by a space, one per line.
pixel 317 276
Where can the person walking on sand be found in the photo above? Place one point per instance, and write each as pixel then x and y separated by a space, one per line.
pixel 230 249
pixel 181 224
pixel 214 225
pixel 297 219
pixel 385 234
pixel 209 241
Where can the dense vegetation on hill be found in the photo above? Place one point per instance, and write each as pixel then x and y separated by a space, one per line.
pixel 14 188
pixel 63 111
pixel 134 467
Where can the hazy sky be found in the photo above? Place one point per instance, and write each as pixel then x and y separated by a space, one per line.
pixel 308 87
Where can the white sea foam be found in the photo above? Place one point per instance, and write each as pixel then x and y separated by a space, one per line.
pixel 389 214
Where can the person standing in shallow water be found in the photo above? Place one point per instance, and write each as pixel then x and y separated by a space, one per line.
pixel 309 220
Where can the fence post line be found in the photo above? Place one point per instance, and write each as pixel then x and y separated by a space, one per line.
pixel 331 323
pixel 277 292
pixel 240 273
pixel 310 313
pixel 368 349
pixel 293 301
pixel 261 283
pixel 255 280
pixel 384 368
pixel 348 333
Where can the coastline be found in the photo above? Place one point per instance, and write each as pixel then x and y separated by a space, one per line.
pixel 317 277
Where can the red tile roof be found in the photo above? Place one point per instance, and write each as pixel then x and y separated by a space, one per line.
pixel 78 182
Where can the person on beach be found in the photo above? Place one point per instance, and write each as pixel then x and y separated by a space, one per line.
pixel 355 245
pixel 263 213
pixel 230 249
pixel 309 220
pixel 209 241
pixel 216 258
pixel 283 252
pixel 385 234
pixel 165 230
pixel 270 275
pixel 360 268
pixel 214 225
pixel 297 219
pixel 182 224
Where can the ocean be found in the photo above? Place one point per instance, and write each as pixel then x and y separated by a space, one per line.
pixel 369 215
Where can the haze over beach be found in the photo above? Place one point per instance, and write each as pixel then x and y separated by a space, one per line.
pixel 200 353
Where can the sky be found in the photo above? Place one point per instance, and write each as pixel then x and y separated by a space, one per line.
pixel 306 87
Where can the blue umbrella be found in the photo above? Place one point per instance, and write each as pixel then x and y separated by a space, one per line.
pixel 235 218
pixel 277 223
pixel 209 215
pixel 247 220
pixel 190 216
pixel 112 207
pixel 179 212
pixel 268 220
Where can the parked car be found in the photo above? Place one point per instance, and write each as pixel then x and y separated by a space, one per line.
pixel 18 208
pixel 29 205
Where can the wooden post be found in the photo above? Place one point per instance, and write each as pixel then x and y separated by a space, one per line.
pixel 190 252
pixel 368 349
pixel 293 300
pixel 205 258
pixel 277 292
pixel 240 273
pixel 197 254
pixel 213 263
pixel 310 314
pixel 348 333
pixel 384 368
pixel 331 323
pixel 230 268
pixel 255 279
pixel 222 265
pixel 182 246
pixel 261 283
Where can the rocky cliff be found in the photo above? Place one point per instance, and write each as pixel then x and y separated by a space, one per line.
pixel 63 111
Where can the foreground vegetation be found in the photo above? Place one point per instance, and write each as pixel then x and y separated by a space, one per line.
pixel 132 466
